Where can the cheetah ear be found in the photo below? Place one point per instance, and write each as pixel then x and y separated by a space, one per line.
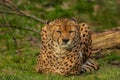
pixel 47 22
pixel 74 19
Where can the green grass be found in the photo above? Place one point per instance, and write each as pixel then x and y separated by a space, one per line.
pixel 19 48
pixel 21 66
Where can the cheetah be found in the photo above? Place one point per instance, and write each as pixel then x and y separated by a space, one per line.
pixel 65 48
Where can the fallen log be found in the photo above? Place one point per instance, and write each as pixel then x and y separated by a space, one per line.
pixel 106 39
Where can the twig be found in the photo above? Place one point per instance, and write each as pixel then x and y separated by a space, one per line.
pixel 10 5
pixel 24 28
pixel 10 31
pixel 6 4
pixel 26 15
pixel 17 11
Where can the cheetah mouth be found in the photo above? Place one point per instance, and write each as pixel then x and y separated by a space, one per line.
pixel 66 46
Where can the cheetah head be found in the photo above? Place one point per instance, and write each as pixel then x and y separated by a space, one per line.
pixel 63 32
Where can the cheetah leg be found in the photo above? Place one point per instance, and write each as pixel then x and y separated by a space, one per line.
pixel 89 66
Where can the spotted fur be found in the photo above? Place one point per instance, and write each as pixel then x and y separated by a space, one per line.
pixel 65 48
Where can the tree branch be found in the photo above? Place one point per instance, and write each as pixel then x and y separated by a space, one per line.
pixel 10 31
pixel 24 28
pixel 26 15
pixel 17 11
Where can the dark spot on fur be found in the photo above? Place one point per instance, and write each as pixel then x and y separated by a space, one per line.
pixel 81 29
pixel 65 62
pixel 86 31
pixel 67 68
pixel 83 24
pixel 75 50
pixel 83 35
pixel 44 30
pixel 80 38
pixel 46 64
pixel 63 57
pixel 43 38
pixel 71 61
pixel 80 43
pixel 76 72
pixel 74 58
pixel 86 39
pixel 71 55
pixel 45 51
pixel 50 57
pixel 48 44
pixel 84 43
pixel 68 58
pixel 74 54
pixel 86 50
pixel 70 66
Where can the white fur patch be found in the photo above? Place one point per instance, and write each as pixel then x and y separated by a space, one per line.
pixel 80 54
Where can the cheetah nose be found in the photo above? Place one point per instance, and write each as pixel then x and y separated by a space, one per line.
pixel 65 40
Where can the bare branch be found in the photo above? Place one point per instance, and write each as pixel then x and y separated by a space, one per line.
pixel 10 12
pixel 10 31
pixel 17 11
pixel 17 27
pixel 26 15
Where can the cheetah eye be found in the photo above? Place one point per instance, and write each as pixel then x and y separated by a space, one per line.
pixel 71 31
pixel 58 31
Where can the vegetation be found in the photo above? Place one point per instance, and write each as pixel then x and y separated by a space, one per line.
pixel 19 48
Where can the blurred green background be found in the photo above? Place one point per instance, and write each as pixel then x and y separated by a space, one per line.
pixel 19 48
